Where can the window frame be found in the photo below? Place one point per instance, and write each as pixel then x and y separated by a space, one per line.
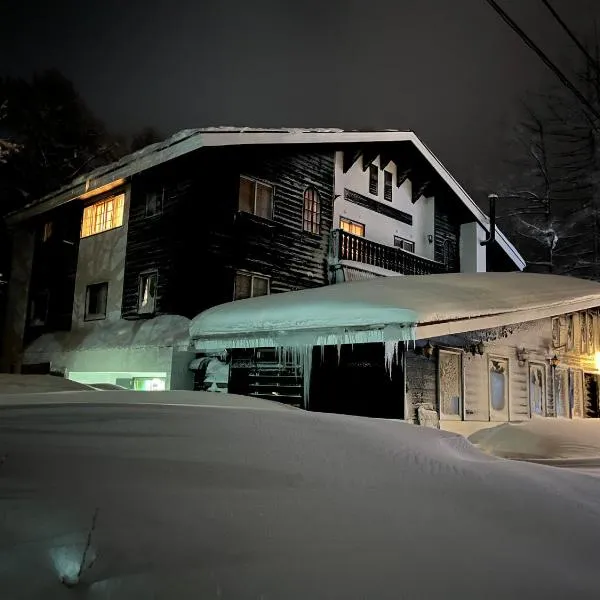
pixel 373 180
pixel 87 316
pixel 531 365
pixel 252 276
pixel 352 222
pixel 256 182
pixel 141 276
pixel 313 225
pixel 404 241
pixel 161 198
pixel 98 202
pixel 461 413
pixel 499 415
pixel 388 186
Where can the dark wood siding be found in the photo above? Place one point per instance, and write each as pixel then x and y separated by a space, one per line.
pixel 200 239
pixel 54 267
pixel 447 233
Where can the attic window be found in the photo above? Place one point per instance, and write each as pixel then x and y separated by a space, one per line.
pixel 373 180
pixel 256 198
pixel 312 211
pixel 387 186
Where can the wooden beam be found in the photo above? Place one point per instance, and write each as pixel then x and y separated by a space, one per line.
pixel 350 157
pixel 402 175
pixel 420 182
pixel 385 158
pixel 369 155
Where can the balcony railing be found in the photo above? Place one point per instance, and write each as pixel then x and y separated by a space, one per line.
pixel 346 246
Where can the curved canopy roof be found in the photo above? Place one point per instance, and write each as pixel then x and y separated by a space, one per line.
pixel 391 309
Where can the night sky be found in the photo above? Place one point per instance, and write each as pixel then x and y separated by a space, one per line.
pixel 451 70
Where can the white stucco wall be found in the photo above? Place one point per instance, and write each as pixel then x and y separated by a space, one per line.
pixel 380 228
pixel 102 258
pixel 472 254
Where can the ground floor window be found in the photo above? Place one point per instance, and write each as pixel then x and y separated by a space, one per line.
pixel 498 389
pixel 149 384
pixel 576 393
pixel 561 393
pixel 537 389
pixel 450 384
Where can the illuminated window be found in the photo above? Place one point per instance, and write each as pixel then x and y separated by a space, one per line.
pixel 387 186
pixel 255 198
pixel 312 211
pixel 95 301
pixel 373 180
pixel 352 227
pixel 537 389
pixel 149 384
pixel 102 216
pixel 406 245
pixel 147 293
pixel 450 384
pixel 248 285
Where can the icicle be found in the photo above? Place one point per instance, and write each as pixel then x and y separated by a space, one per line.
pixel 339 353
pixel 391 355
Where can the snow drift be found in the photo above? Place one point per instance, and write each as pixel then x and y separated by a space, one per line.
pixel 209 502
pixel 542 439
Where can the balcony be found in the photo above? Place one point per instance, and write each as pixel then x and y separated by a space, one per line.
pixel 345 246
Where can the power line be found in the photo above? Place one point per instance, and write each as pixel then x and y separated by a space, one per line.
pixel 568 31
pixel 563 79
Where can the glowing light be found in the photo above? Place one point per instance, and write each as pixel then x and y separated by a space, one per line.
pixel 90 193
pixel 597 360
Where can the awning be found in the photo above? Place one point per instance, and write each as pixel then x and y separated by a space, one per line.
pixel 391 309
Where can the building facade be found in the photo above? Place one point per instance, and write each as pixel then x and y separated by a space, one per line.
pixel 108 271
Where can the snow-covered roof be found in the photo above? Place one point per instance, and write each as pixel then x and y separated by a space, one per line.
pixel 189 140
pixel 164 330
pixel 387 309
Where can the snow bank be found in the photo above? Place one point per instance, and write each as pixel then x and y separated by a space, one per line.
pixel 29 384
pixel 164 330
pixel 542 438
pixel 209 502
pixel 381 308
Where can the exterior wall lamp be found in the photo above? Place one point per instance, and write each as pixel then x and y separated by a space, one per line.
pixel 428 350
pixel 522 356
pixel 430 238
pixel 478 349
pixel 554 361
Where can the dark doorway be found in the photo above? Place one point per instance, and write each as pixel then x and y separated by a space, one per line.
pixel 592 406
pixel 356 382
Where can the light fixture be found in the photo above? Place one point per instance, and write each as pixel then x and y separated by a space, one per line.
pixel 478 349
pixel 522 356
pixel 428 350
pixel 430 238
pixel 554 361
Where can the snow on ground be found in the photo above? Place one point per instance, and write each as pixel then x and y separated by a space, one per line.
pixel 542 439
pixel 29 384
pixel 207 502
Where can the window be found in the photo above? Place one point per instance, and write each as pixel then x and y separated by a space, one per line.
pixel 561 388
pixel 576 393
pixel 39 308
pixel 102 216
pixel 387 186
pixel 47 232
pixel 95 301
pixel 256 198
pixel 373 180
pixel 556 329
pixel 537 389
pixel 450 384
pixel 149 384
pixel 498 372
pixel 248 285
pixel 154 203
pixel 147 293
pixel 406 245
pixel 352 227
pixel 312 211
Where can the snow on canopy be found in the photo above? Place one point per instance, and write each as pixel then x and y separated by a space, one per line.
pixel 386 309
pixel 164 330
